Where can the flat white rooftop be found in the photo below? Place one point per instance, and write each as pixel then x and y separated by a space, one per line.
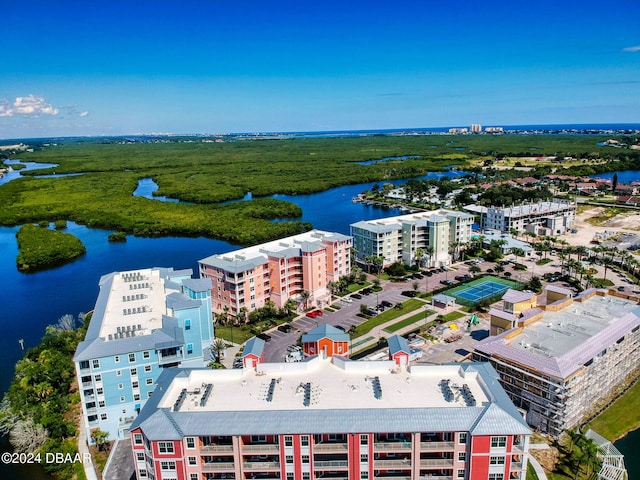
pixel 567 329
pixel 135 305
pixel 323 384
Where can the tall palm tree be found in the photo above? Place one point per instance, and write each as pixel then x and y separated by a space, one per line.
pixel 304 297
pixel 429 252
pixel 219 346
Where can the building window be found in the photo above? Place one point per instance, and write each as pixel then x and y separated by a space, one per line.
pixel 118 373
pixel 134 372
pixel 460 473
pixel 165 447
pixel 305 475
pixel 289 476
pixel 96 363
pixel 462 439
pixel 147 368
pixel 192 461
pixel 288 459
pixel 140 456
pixel 305 458
pixel 137 439
pixel 496 476
pixel 120 386
pixel 288 441
pixel 462 456
pixel 101 404
pixel 304 440
pixel 149 381
pixel 364 439
pixel 191 442
pixel 258 438
pixel 167 465
pixel 145 355
pixel 132 357
pixel 498 442
pixel 121 399
pixel 98 378
pixel 84 364
pixel 187 324
pixel 149 394
pixel 496 461
pixel 193 476
pixel 143 473
pixel 364 475
pixel 116 359
pixel 136 396
pixel 189 348
pixel 134 384
pixel 103 416
pixel 100 391
pixel 364 458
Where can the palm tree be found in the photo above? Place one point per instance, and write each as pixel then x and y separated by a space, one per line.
pixel 219 346
pixel 242 314
pixel 518 252
pixel 419 256
pixel 429 252
pixel 304 297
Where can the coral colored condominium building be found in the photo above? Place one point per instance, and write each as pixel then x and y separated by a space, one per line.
pixel 277 271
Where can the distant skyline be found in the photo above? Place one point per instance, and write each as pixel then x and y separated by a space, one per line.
pixel 116 68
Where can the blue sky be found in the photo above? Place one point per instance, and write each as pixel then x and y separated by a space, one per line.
pixel 218 66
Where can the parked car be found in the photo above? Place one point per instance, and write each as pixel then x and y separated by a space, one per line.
pixel 264 336
pixel 357 296
pixel 409 293
pixel 340 327
pixel 319 313
pixel 286 328
pixel 387 304
pixel 418 276
pixel 446 282
pixel 312 314
pixel 366 291
pixel 371 312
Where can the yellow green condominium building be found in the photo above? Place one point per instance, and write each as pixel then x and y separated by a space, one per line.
pixel 431 237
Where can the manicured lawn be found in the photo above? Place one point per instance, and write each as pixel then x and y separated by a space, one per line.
pixel 418 317
pixel 451 316
pixel 408 306
pixel 531 473
pixel 621 417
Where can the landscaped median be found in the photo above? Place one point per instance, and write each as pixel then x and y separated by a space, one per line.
pixel 385 317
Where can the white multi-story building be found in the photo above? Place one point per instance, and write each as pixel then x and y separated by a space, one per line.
pixel 399 238
pixel 553 217
pixel 144 321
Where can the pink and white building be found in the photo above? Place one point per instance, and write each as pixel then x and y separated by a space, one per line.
pixel 277 271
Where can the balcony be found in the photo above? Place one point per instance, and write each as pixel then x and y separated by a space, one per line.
pixel 392 477
pixel 92 411
pixel 516 466
pixel 261 449
pixel 164 359
pixel 337 447
pixel 87 384
pixel 437 446
pixel 436 477
pixel 330 464
pixel 392 446
pixel 216 449
pixel 125 421
pixel 218 467
pixel 395 464
pixel 262 466
pixel 436 462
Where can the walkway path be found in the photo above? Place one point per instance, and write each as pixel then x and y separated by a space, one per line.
pixel 83 449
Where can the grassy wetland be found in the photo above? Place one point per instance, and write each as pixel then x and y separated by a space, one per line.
pixel 207 173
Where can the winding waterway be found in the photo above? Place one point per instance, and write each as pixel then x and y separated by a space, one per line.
pixel 33 301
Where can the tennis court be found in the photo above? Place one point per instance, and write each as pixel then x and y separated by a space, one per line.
pixel 483 288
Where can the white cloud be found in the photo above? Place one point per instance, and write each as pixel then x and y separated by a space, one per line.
pixel 84 114
pixel 632 49
pixel 30 106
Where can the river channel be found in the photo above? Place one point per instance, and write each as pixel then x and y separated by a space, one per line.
pixel 33 301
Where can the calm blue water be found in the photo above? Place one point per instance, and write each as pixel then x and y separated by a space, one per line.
pixel 628 446
pixel 625 176
pixel 33 301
